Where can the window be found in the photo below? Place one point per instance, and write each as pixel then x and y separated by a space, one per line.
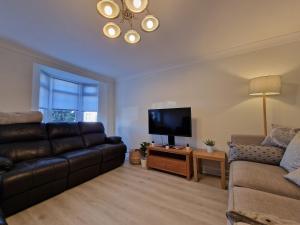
pixel 67 101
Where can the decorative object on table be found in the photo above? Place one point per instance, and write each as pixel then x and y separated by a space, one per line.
pixel 291 157
pixel 143 151
pixel 188 147
pixel 209 145
pixel 167 147
pixel 255 153
pixel 265 86
pixel 280 136
pixel 217 156
pixel 129 12
pixel 152 144
pixel 135 157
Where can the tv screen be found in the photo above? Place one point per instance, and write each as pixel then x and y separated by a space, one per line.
pixel 172 122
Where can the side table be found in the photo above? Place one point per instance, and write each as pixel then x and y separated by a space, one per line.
pixel 218 156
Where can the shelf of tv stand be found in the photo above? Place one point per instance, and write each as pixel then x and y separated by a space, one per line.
pixel 177 161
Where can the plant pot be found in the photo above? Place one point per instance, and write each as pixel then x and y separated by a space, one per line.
pixel 144 163
pixel 209 149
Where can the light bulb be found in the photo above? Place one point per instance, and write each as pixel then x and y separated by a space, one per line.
pixel 131 38
pixel 150 24
pixel 137 4
pixel 108 10
pixel 111 32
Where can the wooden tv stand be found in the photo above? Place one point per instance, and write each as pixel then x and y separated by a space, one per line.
pixel 177 161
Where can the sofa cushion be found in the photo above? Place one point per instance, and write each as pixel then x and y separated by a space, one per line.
pixel 80 159
pixel 254 153
pixel 246 199
pixel 22 132
pixel 48 169
pixel 291 157
pixel 111 151
pixel 22 151
pixel 262 177
pixel 68 144
pixel 92 133
pixel 6 164
pixel 21 142
pixel 294 176
pixel 62 130
pixel 29 174
pixel 256 218
pixel 64 137
pixel 280 136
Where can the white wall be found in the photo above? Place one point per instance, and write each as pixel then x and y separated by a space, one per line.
pixel 217 91
pixel 16 81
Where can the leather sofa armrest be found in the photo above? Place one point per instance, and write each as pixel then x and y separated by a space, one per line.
pixel 247 139
pixel 6 164
pixel 114 140
pixel 2 218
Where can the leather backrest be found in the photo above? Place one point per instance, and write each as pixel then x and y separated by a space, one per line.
pixel 20 142
pixel 92 133
pixel 64 137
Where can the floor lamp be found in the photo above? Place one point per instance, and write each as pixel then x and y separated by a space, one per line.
pixel 265 86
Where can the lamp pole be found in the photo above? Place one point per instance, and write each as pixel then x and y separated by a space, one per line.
pixel 265 114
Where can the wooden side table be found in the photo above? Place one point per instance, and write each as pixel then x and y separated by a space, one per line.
pixel 219 156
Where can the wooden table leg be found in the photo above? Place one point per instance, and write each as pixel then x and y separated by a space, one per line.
pixel 223 175
pixel 196 169
pixel 188 165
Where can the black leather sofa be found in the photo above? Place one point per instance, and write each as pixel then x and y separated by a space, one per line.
pixel 38 161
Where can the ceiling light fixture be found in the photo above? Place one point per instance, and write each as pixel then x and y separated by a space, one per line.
pixel 128 12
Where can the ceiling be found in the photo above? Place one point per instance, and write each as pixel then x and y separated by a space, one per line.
pixel 190 30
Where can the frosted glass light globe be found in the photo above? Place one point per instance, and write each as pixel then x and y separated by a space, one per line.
pixel 150 24
pixel 108 10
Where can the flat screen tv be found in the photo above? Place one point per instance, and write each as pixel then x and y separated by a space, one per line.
pixel 171 122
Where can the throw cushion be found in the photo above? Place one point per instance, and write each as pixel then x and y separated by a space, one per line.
pixel 291 157
pixel 254 218
pixel 280 136
pixel 254 153
pixel 26 117
pixel 294 176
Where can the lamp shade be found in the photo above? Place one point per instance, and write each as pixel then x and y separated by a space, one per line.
pixel 108 8
pixel 150 23
pixel 266 85
pixel 136 6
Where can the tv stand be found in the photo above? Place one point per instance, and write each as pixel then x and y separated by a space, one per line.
pixel 177 161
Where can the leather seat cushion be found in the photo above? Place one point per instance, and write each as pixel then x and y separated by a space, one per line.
pixel 111 151
pixel 92 133
pixel 29 174
pixel 62 145
pixel 83 158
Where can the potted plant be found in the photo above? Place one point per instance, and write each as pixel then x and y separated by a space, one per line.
pixel 209 145
pixel 143 150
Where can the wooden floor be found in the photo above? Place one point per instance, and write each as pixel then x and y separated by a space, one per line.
pixel 131 195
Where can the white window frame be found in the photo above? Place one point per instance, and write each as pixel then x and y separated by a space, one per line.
pixel 79 111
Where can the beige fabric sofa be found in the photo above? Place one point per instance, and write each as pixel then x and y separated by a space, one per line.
pixel 261 188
